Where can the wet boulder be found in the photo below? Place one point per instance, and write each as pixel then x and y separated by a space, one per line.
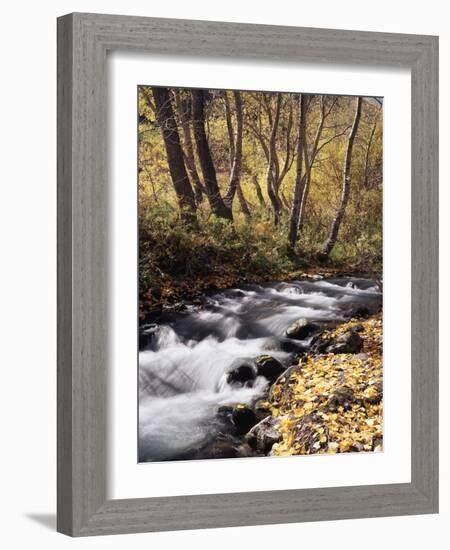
pixel 147 335
pixel 302 329
pixel 262 410
pixel 269 367
pixel 264 435
pixel 243 374
pixel 224 421
pixel 243 418
pixel 349 342
pixel 224 417
pixel 289 345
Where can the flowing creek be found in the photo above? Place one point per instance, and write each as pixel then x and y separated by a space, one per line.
pixel 186 356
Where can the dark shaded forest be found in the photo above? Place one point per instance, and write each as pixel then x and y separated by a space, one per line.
pixel 250 186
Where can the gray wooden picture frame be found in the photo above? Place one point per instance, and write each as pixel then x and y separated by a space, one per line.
pixel 83 41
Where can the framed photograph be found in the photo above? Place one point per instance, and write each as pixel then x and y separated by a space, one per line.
pixel 247 274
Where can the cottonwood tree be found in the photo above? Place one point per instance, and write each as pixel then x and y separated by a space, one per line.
pixel 235 153
pixel 219 208
pixel 180 179
pixel 243 202
pixel 271 161
pixel 288 145
pixel 299 178
pixel 326 106
pixel 258 191
pixel 274 137
pixel 188 147
pixel 366 169
pixel 346 186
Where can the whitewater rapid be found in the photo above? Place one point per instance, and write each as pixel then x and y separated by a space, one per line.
pixel 183 368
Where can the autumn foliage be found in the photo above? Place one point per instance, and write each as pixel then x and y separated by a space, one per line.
pixel 237 186
pixel 332 403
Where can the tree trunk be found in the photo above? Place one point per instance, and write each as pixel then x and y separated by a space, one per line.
pixel 306 186
pixel 180 178
pixel 309 161
pixel 152 183
pixel 230 131
pixel 236 149
pixel 289 158
pixel 367 155
pixel 243 203
pixel 189 148
pixel 259 194
pixel 299 179
pixel 346 184
pixel 271 168
pixel 284 200
pixel 206 162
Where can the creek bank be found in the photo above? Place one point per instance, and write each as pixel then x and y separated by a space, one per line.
pixel 329 401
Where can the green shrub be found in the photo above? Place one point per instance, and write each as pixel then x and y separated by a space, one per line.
pixel 218 251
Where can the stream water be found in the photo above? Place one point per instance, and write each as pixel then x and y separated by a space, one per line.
pixel 184 364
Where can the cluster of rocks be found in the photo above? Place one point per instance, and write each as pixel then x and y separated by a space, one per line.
pixel 245 373
pixel 254 430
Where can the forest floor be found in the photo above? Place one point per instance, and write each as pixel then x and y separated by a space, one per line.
pixel 176 265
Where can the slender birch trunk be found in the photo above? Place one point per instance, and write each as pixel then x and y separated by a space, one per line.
pixel 235 149
pixel 271 164
pixel 309 162
pixel 346 186
pixel 367 154
pixel 299 179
